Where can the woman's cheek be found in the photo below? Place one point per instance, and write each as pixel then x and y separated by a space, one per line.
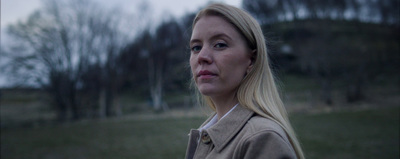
pixel 193 68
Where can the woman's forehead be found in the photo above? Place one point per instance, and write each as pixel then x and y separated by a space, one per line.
pixel 212 26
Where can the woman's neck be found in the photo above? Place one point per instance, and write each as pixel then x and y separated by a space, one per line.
pixel 223 105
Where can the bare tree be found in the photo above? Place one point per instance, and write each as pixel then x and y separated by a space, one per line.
pixel 168 37
pixel 60 43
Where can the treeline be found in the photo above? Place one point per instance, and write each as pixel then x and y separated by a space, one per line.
pixel 158 61
pixel 375 11
pixel 350 42
pixel 72 50
pixel 84 56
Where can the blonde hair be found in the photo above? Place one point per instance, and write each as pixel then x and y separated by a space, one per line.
pixel 257 91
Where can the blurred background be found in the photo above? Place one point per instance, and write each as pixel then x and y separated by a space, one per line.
pixel 111 79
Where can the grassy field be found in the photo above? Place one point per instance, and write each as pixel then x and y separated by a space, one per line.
pixel 368 133
pixel 372 133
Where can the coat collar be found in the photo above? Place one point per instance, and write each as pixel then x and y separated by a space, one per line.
pixel 225 129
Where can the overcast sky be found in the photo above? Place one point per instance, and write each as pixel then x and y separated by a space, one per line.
pixel 13 11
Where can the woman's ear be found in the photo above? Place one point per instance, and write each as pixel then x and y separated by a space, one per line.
pixel 252 60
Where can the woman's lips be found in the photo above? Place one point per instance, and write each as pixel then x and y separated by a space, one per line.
pixel 205 74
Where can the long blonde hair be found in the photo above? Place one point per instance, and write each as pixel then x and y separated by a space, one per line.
pixel 257 91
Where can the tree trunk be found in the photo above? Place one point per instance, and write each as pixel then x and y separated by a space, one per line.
pixel 57 90
pixel 156 84
pixel 117 106
pixel 61 107
pixel 355 89
pixel 109 101
pixel 156 93
pixel 327 92
pixel 102 104
pixel 73 102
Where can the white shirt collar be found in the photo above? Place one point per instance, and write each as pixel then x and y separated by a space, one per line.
pixel 214 120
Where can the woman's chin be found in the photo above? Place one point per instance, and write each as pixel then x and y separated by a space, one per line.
pixel 207 91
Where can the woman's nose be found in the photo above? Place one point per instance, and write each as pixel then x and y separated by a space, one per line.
pixel 205 56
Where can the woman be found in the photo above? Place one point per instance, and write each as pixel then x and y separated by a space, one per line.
pixel 231 71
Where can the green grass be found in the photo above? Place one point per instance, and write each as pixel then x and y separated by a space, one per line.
pixel 150 138
pixel 372 133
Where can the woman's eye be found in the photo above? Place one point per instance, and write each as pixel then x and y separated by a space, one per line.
pixel 221 45
pixel 196 48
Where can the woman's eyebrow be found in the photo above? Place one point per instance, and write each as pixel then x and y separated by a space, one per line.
pixel 220 35
pixel 194 41
pixel 215 36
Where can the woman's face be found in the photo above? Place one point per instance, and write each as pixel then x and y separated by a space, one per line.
pixel 219 57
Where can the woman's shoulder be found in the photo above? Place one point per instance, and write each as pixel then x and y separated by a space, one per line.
pixel 261 125
pixel 261 137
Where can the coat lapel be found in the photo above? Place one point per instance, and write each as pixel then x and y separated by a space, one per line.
pixel 225 129
pixel 192 145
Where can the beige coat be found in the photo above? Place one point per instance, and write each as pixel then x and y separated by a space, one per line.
pixel 240 135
